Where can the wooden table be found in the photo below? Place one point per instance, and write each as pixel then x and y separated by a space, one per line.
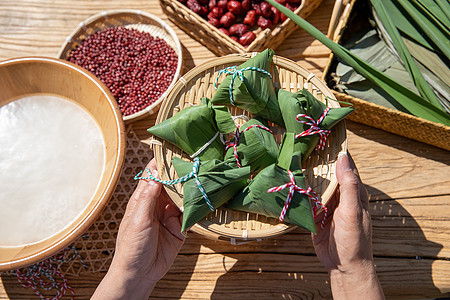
pixel 408 183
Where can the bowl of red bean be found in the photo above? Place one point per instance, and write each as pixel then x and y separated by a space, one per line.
pixel 134 53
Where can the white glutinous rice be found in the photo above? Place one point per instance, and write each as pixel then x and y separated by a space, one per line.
pixel 51 161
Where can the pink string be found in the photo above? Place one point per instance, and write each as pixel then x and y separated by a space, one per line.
pixel 236 140
pixel 314 128
pixel 295 188
pixel 32 277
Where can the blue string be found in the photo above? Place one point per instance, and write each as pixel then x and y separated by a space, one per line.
pixel 235 72
pixel 185 178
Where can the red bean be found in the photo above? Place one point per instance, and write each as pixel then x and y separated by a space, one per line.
pixel 264 23
pixel 266 10
pixel 195 6
pixel 238 29
pixel 250 18
pixel 247 38
pixel 136 67
pixel 222 4
pixel 275 16
pixel 216 12
pixel 246 5
pixel 256 6
pixel 214 22
pixel 292 6
pixel 224 31
pixel 212 4
pixel 227 19
pixel 235 7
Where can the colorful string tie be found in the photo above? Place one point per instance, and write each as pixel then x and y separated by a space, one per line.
pixel 236 140
pixel 235 72
pixel 44 275
pixel 295 188
pixel 185 178
pixel 314 128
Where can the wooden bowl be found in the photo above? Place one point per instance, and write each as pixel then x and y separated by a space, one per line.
pixel 136 19
pixel 35 75
pixel 319 169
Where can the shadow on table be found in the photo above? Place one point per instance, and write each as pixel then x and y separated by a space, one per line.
pixel 174 283
pixel 403 256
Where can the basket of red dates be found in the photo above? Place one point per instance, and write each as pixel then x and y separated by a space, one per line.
pixel 236 26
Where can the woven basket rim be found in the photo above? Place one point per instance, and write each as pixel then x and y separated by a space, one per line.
pixel 152 108
pixel 290 66
pixel 393 111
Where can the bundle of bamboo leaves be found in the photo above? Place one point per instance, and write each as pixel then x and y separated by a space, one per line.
pixel 417 32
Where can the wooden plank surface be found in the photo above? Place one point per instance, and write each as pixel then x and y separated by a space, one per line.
pixel 408 183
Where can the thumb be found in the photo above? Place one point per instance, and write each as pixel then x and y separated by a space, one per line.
pixel 349 183
pixel 143 201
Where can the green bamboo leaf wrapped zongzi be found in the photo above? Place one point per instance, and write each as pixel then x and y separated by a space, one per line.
pixel 308 118
pixel 280 191
pixel 214 183
pixel 197 130
pixel 251 88
pixel 254 145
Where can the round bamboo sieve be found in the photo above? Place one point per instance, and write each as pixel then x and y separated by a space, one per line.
pixel 319 169
pixel 135 19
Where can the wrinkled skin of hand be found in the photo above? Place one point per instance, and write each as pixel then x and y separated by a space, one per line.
pixel 148 241
pixel 344 245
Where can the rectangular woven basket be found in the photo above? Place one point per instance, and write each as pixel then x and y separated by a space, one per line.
pixel 387 119
pixel 220 43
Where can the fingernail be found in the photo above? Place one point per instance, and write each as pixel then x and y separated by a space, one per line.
pixel 154 174
pixel 342 153
pixel 343 161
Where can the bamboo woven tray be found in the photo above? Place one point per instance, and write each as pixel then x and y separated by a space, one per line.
pixel 220 43
pixel 384 118
pixel 135 19
pixel 319 168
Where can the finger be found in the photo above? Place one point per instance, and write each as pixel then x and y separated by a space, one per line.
pixel 172 221
pixel 145 195
pixel 353 165
pixel 362 189
pixel 331 207
pixel 349 183
pixel 166 200
pixel 147 198
pixel 152 165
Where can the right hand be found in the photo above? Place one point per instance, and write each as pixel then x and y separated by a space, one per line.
pixel 344 245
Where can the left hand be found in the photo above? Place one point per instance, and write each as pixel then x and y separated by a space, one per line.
pixel 148 241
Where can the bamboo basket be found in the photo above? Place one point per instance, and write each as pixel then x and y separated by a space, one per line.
pixel 319 168
pixel 220 43
pixel 135 19
pixel 384 118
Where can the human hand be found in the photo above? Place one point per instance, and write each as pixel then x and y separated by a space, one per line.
pixel 344 245
pixel 148 241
